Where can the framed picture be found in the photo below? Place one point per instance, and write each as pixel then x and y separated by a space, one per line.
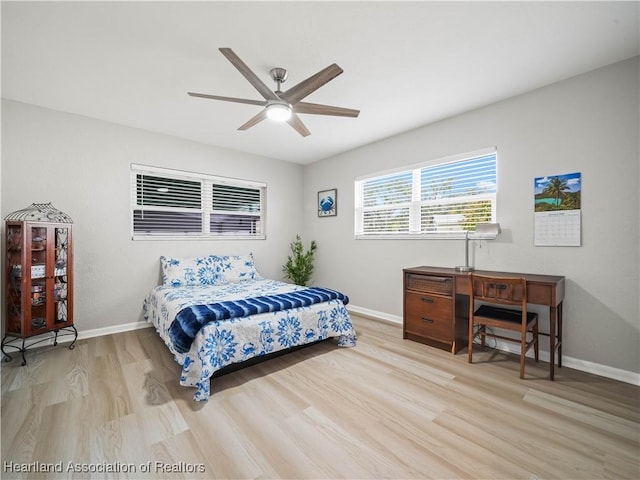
pixel 328 203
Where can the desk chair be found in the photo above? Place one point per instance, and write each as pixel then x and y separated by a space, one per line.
pixel 504 306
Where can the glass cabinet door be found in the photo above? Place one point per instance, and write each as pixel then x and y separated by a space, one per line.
pixel 60 275
pixel 15 260
pixel 38 274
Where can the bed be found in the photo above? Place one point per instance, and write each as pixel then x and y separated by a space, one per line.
pixel 215 311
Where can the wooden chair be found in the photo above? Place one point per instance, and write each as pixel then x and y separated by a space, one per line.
pixel 503 305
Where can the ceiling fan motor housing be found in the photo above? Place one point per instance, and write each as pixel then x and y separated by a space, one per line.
pixel 278 74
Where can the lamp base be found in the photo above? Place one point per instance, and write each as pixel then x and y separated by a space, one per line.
pixel 464 268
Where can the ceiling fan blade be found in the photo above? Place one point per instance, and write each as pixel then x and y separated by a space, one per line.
pixel 317 109
pixel 229 99
pixel 297 124
pixel 254 120
pixel 311 84
pixel 249 75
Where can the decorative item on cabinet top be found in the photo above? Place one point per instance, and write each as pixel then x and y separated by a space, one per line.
pixel 39 212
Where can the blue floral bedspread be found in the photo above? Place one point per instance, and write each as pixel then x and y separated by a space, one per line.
pixel 224 342
pixel 190 319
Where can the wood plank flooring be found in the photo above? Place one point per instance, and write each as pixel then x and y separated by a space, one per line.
pixel 388 408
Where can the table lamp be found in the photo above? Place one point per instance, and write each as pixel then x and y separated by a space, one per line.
pixel 483 231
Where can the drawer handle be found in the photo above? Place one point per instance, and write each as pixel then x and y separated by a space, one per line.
pixel 428 320
pixel 427 299
pixel 429 278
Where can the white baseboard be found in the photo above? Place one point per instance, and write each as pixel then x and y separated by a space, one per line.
pixel 365 312
pixel 570 362
pixel 578 364
pixel 98 332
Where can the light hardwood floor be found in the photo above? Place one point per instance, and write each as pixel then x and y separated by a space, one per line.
pixel 388 408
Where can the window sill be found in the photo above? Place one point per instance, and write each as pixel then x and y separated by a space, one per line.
pixel 423 236
pixel 197 237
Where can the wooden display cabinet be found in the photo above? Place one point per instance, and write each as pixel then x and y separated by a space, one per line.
pixel 39 278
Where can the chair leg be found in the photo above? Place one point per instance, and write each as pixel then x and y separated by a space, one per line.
pixel 470 347
pixel 523 351
pixel 536 349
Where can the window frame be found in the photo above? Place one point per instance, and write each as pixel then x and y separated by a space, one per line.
pixel 206 204
pixel 415 203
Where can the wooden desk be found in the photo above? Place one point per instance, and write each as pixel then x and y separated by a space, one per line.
pixel 436 306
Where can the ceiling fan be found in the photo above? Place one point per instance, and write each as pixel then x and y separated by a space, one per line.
pixel 284 106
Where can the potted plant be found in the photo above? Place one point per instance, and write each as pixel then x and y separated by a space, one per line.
pixel 299 266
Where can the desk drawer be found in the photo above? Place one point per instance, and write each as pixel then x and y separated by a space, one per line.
pixel 429 284
pixel 429 316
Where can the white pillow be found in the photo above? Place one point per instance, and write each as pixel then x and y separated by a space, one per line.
pixel 237 268
pixel 191 272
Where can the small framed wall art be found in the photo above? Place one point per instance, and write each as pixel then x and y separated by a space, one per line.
pixel 328 203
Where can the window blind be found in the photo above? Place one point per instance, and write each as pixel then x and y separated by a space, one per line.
pixel 435 199
pixel 175 204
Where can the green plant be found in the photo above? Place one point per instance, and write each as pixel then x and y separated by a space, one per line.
pixel 299 266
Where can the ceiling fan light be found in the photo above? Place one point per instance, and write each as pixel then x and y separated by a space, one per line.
pixel 278 112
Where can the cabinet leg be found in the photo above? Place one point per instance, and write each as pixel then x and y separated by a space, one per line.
pixel 19 343
pixel 5 356
pixel 22 351
pixel 73 344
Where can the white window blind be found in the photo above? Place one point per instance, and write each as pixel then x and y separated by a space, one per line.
pixel 171 204
pixel 437 199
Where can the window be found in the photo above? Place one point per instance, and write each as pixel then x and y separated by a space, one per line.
pixel 174 204
pixel 437 199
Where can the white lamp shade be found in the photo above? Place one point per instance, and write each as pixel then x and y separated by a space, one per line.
pixel 278 112
pixel 486 231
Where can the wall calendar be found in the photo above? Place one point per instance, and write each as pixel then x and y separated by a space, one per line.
pixel 557 210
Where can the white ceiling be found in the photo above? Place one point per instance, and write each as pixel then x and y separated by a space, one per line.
pixel 406 64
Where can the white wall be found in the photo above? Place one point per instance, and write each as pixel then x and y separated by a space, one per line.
pixel 82 166
pixel 586 124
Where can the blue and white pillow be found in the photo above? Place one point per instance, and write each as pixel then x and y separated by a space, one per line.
pixel 191 272
pixel 238 268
